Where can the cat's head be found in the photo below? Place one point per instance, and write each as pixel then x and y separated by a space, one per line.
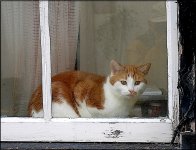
pixel 128 80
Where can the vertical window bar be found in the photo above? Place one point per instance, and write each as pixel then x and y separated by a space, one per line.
pixel 46 64
pixel 172 47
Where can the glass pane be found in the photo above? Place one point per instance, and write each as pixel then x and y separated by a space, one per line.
pixel 130 32
pixel 20 56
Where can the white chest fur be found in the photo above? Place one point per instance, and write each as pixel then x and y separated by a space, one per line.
pixel 114 106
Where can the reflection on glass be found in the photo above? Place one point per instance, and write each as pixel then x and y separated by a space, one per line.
pixel 20 55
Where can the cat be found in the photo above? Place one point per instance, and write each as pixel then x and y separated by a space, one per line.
pixel 81 94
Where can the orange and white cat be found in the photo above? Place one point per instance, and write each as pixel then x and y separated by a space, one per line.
pixel 79 94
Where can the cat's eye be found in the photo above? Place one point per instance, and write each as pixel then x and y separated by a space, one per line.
pixel 123 82
pixel 137 82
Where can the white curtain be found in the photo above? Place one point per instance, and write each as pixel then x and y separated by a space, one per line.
pixel 21 53
pixel 132 32
pixel 64 29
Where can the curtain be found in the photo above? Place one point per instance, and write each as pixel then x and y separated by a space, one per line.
pixel 131 32
pixel 20 55
pixel 64 29
pixel 21 52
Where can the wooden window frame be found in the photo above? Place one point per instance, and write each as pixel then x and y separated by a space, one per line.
pixel 91 129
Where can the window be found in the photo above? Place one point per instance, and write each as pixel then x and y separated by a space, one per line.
pixel 107 25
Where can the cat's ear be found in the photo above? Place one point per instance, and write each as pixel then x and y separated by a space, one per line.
pixel 144 68
pixel 115 67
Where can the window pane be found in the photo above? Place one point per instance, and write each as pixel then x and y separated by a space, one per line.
pixel 20 55
pixel 131 32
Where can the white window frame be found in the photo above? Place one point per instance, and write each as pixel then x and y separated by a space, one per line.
pixel 97 130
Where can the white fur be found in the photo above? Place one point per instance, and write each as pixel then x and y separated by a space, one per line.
pixel 83 110
pixel 63 110
pixel 59 110
pixel 116 105
pixel 124 89
pixel 39 114
pixel 118 102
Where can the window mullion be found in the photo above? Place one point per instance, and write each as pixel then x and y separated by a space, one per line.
pixel 46 63
pixel 172 46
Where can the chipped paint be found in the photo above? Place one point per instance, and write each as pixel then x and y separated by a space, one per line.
pixel 113 134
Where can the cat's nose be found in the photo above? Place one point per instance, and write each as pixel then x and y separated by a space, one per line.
pixel 132 92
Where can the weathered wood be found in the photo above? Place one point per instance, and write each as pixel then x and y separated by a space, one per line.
pixel 87 130
pixel 46 62
pixel 187 29
pixel 186 84
pixel 172 47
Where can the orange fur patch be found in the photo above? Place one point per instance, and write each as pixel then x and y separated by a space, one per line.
pixel 131 70
pixel 72 86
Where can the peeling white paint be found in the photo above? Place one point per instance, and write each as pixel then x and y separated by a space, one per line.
pixel 46 64
pixel 173 67
pixel 86 131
